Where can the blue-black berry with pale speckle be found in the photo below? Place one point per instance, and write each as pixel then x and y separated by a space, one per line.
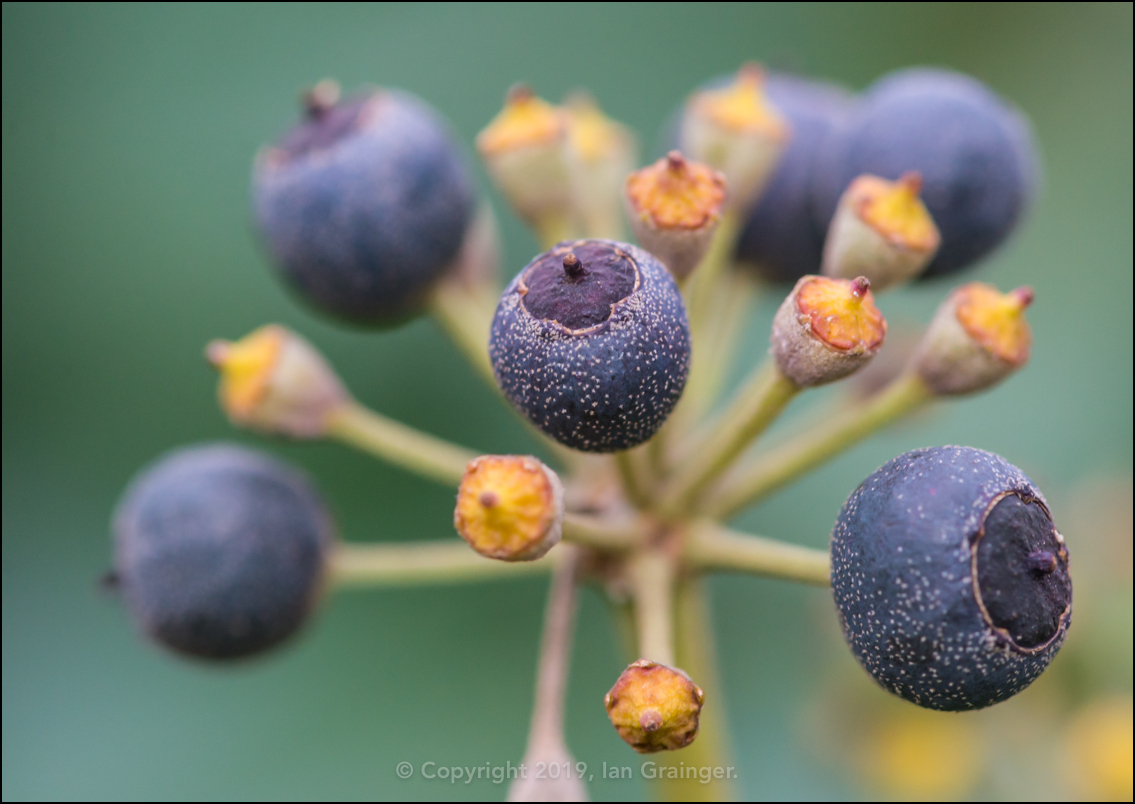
pixel 591 342
pixel 950 578
pixel 974 151
pixel 781 239
pixel 220 551
pixel 364 205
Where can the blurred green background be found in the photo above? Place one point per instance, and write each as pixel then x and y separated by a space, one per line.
pixel 128 134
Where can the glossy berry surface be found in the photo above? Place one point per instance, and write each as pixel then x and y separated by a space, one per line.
pixel 219 551
pixel 781 239
pixel 364 205
pixel 974 152
pixel 950 578
pixel 591 343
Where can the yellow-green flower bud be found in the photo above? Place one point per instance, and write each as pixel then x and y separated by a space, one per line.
pixel 881 230
pixel 737 131
pixel 674 206
pixel 978 337
pixel 826 329
pixel 525 151
pixel 510 507
pixel 601 152
pixel 654 707
pixel 274 381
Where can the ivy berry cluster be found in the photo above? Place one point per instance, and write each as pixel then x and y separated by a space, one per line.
pixel 949 575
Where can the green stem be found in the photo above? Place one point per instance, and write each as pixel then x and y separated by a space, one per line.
pixel 399 444
pixel 713 547
pixel 755 406
pixel 410 563
pixel 697 655
pixel 600 533
pixel 700 285
pixel 631 479
pixel 465 312
pixel 652 579
pixel 817 445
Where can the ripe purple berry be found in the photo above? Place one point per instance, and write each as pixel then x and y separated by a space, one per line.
pixel 974 151
pixel 950 578
pixel 590 341
pixel 219 551
pixel 364 205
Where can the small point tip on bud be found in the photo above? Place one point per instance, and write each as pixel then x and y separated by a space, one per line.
pixel 859 286
pixel 911 181
pixel 675 160
pixel 488 499
pixel 572 265
pixel 321 98
pixel 519 92
pixel 1042 562
pixel 1024 296
pixel 750 72
pixel 217 351
pixel 650 720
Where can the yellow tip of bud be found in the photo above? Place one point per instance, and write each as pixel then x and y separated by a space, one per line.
pixel 654 707
pixel 996 320
pixel 509 507
pixel 592 134
pixel 525 121
pixel 842 313
pixel 742 106
pixel 895 211
pixel 676 193
pixel 246 367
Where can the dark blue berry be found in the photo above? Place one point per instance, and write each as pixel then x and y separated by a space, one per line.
pixel 781 239
pixel 364 205
pixel 590 341
pixel 220 550
pixel 950 578
pixel 975 154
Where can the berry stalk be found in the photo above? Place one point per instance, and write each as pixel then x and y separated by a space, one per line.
pixel 652 579
pixel 817 445
pixel 755 406
pixel 399 444
pixel 713 547
pixel 406 564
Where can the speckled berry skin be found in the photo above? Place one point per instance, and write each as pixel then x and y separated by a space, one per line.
pixel 365 207
pixel 781 239
pixel 975 154
pixel 932 582
pixel 605 386
pixel 219 551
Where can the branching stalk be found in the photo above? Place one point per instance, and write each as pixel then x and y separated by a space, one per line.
pixel 713 547
pixel 755 406
pixel 409 563
pixel 601 533
pixel 399 444
pixel 817 445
